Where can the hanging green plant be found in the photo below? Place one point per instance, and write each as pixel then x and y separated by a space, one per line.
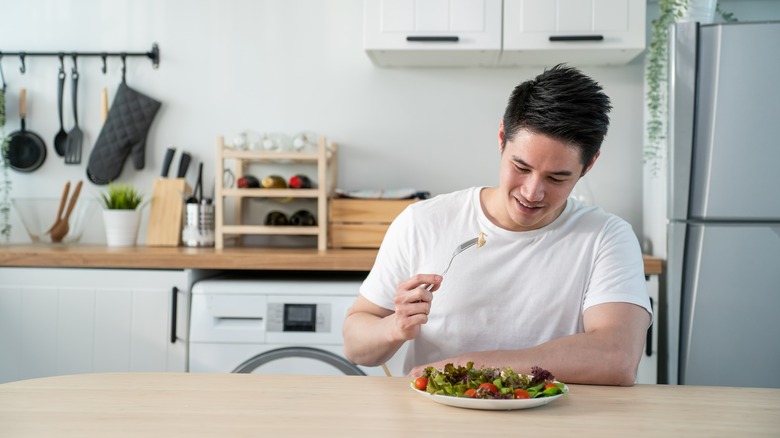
pixel 657 78
pixel 5 177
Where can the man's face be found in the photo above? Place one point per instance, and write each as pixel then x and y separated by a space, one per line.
pixel 537 175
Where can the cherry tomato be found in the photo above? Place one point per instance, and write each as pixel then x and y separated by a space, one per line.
pixel 471 392
pixel 489 386
pixel 421 383
pixel 550 385
pixel 521 393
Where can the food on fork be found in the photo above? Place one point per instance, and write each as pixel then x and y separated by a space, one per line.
pixel 480 239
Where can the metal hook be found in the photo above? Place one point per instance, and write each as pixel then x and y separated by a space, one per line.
pixel 23 68
pixel 62 62
pixel 124 65
pixel 104 55
pixel 75 71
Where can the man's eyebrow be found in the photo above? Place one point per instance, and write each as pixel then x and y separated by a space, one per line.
pixel 557 172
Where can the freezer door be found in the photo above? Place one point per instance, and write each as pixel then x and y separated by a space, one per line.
pixel 736 145
pixel 730 300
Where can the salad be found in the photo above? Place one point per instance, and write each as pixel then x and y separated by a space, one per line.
pixel 488 383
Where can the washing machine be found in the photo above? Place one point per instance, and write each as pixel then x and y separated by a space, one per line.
pixel 274 326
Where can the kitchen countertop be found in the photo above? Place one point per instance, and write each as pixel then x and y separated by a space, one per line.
pixel 144 257
pixel 200 404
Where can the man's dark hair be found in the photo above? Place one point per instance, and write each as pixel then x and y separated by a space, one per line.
pixel 562 103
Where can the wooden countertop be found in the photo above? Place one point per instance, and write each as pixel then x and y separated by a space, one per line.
pixel 144 257
pixel 192 405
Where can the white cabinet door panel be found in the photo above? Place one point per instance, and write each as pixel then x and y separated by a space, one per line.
pixel 432 32
pixel 70 321
pixel 150 318
pixel 38 332
pixel 75 327
pixel 577 32
pixel 113 334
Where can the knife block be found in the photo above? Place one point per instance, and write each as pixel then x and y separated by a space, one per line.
pixel 167 210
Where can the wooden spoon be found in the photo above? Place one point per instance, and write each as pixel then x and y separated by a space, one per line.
pixel 61 228
pixel 63 198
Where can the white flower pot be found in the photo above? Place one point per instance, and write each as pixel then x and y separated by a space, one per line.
pixel 121 226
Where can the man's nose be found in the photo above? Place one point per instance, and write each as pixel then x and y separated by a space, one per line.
pixel 533 189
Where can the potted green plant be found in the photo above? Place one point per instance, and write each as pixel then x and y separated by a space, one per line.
pixel 122 214
pixel 656 77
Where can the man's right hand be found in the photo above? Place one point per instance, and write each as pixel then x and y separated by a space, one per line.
pixel 413 303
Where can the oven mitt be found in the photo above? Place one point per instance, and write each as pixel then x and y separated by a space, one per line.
pixel 124 132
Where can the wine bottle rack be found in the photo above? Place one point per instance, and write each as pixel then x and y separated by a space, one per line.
pixel 325 160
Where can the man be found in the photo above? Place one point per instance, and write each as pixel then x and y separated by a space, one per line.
pixel 557 284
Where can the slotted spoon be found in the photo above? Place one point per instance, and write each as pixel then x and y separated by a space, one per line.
pixel 75 136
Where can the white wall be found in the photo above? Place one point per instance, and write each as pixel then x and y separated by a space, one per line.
pixel 287 65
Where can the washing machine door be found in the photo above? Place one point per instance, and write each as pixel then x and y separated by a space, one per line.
pixel 298 360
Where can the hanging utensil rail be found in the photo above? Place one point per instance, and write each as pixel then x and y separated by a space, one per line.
pixel 153 54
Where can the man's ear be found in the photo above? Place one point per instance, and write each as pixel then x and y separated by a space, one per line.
pixel 590 166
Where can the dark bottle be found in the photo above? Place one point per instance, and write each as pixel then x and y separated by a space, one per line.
pixel 300 182
pixel 303 218
pixel 248 181
pixel 276 218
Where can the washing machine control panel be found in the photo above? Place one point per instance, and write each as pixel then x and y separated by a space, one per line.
pixel 299 317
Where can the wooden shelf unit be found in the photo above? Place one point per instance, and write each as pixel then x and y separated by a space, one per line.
pixel 325 160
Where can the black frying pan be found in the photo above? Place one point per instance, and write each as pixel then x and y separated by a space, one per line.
pixel 26 150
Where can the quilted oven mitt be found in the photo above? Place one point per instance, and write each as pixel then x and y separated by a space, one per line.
pixel 124 131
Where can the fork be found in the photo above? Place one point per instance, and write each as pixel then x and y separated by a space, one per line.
pixel 459 249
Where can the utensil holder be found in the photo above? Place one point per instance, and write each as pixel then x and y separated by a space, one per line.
pixel 198 225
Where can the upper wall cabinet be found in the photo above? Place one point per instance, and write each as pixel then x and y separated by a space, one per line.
pixel 578 32
pixel 432 32
pixel 406 33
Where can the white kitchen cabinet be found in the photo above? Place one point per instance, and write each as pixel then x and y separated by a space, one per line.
pixel 578 32
pixel 71 321
pixel 432 32
pixel 420 33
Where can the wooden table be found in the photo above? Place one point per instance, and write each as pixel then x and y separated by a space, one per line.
pixel 230 405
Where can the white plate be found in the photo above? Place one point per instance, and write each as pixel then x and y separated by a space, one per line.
pixel 488 404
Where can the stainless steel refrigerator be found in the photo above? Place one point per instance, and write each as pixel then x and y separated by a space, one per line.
pixel 723 261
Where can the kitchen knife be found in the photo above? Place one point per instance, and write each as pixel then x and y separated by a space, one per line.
pixel 184 163
pixel 167 161
pixel 199 184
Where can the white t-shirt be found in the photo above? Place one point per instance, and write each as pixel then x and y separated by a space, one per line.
pixel 519 289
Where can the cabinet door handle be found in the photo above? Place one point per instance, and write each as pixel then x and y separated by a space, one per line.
pixel 649 341
pixel 174 305
pixel 433 39
pixel 559 38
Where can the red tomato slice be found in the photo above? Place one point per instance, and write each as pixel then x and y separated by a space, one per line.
pixel 471 393
pixel 489 386
pixel 521 393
